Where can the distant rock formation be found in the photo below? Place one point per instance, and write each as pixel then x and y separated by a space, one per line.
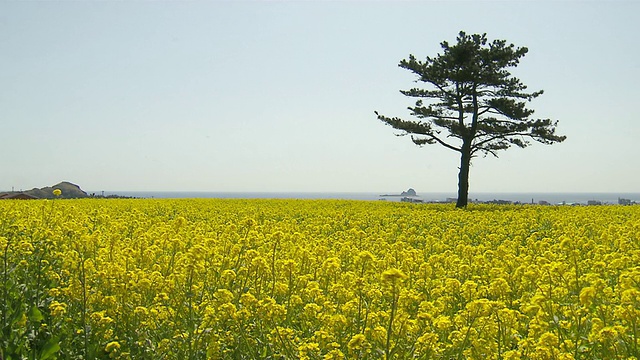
pixel 409 192
pixel 69 191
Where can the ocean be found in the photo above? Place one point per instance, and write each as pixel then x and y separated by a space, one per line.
pixel 533 197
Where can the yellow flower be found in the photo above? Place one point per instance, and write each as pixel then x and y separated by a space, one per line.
pixel 113 346
pixel 428 340
pixel 57 192
pixel 548 341
pixel 587 295
pixel 312 279
pixel 393 276
pixel 57 308
pixel 607 334
pixel 442 323
pixel 357 343
pixel 141 311
pixel 307 349
pixel 334 354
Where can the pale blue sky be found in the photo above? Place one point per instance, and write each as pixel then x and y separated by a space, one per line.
pixel 279 95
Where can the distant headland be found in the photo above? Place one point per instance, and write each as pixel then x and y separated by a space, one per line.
pixel 67 191
pixel 409 192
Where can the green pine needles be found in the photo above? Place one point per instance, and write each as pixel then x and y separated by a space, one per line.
pixel 472 103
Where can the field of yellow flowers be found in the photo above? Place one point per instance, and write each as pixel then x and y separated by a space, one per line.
pixel 316 279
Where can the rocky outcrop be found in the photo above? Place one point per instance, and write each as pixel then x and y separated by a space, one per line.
pixel 69 191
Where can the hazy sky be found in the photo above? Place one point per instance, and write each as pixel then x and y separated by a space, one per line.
pixel 280 95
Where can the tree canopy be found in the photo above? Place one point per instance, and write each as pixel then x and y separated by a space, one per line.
pixel 472 103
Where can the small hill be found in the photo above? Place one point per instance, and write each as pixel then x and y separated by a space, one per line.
pixel 69 191
pixel 409 192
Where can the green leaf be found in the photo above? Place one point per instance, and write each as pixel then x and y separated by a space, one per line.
pixel 50 349
pixel 35 314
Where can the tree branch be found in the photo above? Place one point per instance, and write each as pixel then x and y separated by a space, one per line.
pixel 430 140
pixel 506 137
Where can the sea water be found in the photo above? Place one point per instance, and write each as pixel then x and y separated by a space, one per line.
pixel 524 197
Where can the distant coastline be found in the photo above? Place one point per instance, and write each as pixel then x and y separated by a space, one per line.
pixel 408 193
pixel 70 190
pixel 515 197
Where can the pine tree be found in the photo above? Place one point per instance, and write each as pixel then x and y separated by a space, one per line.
pixel 475 106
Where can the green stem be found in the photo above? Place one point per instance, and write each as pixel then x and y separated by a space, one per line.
pixel 466 338
pixel 84 308
pixel 394 304
pixel 273 267
pixel 5 278
pixel 190 309
pixel 285 344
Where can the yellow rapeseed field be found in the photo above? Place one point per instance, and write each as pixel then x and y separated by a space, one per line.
pixel 316 279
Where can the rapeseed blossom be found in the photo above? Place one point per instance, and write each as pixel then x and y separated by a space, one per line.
pixel 393 276
pixel 254 279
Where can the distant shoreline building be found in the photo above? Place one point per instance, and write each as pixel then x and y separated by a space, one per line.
pixel 622 201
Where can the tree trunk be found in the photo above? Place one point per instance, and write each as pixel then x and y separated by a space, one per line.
pixel 463 177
